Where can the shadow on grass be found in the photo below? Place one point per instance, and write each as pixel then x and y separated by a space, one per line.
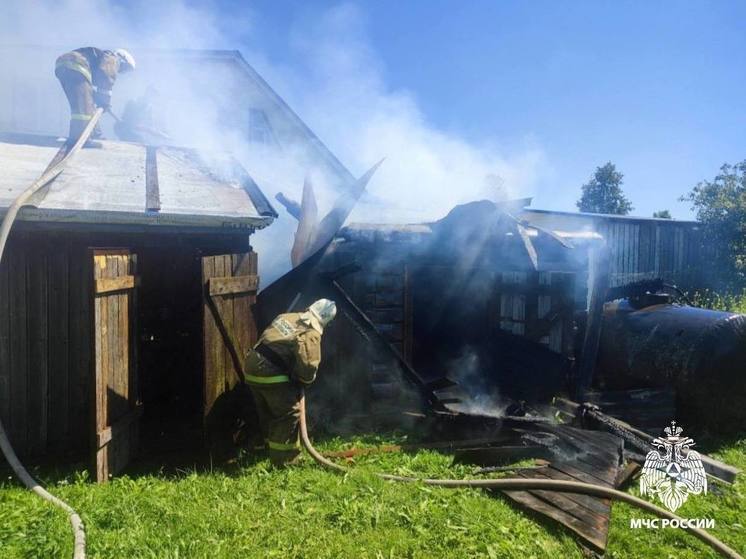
pixel 709 442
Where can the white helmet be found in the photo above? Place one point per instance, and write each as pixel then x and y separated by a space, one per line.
pixel 126 60
pixel 324 311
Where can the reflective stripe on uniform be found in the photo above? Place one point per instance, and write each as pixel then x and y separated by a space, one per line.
pixel 75 66
pixel 276 379
pixel 79 116
pixel 282 446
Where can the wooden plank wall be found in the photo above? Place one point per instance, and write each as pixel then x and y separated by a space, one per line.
pixel 235 313
pixel 525 300
pixel 383 294
pixel 116 373
pixel 373 385
pixel 46 328
pixel 45 346
pixel 650 249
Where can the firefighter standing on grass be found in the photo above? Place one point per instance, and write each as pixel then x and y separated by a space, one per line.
pixel 285 358
pixel 87 76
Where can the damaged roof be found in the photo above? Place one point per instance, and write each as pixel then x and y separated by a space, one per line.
pixel 126 183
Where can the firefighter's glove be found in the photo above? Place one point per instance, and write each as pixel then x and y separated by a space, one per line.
pixel 103 99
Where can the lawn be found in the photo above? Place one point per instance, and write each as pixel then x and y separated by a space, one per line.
pixel 253 510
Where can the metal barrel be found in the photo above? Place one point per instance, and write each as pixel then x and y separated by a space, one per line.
pixel 701 353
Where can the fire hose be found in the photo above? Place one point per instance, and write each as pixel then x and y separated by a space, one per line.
pixel 522 484
pixel 7 449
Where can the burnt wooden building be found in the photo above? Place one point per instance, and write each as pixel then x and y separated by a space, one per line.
pixel 477 297
pixel 125 295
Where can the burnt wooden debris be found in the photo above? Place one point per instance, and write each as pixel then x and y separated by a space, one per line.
pixel 587 517
pixel 566 453
pixel 650 410
pixel 637 440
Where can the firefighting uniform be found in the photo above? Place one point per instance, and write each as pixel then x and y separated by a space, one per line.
pixel 79 71
pixel 286 357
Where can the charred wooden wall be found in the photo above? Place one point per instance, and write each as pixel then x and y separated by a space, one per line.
pixel 434 306
pixel 357 382
pixel 538 306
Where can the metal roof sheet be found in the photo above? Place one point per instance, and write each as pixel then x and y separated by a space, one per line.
pixel 108 185
pixel 608 217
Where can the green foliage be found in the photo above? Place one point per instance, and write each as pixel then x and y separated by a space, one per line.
pixel 663 214
pixel 721 302
pixel 720 205
pixel 603 193
pixel 258 511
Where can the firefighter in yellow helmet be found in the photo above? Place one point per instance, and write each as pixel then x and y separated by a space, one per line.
pixel 87 75
pixel 285 358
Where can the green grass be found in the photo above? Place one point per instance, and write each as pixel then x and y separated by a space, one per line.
pixel 257 511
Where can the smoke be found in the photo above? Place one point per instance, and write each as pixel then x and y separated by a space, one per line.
pixel 482 397
pixel 342 93
pixel 336 83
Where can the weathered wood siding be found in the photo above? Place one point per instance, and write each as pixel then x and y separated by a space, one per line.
pixel 230 285
pixel 653 249
pixel 640 248
pixel 45 345
pixel 117 397
pixel 47 330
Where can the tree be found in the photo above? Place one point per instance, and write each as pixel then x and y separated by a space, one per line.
pixel 663 214
pixel 720 205
pixel 603 193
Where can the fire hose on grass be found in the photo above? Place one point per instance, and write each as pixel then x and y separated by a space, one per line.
pixel 521 484
pixel 5 446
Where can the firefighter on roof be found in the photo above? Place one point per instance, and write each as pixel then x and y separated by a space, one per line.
pixel 87 76
pixel 286 357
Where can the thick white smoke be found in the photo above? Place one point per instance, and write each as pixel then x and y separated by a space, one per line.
pixel 335 83
pixel 340 90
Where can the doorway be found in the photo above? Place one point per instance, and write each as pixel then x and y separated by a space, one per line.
pixel 170 349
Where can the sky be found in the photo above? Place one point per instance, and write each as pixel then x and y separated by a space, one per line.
pixel 655 87
pixel 468 99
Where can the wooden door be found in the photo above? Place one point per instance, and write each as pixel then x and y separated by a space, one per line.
pixel 230 283
pixel 117 403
